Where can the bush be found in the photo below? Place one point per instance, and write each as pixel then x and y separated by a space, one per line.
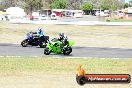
pixel 87 6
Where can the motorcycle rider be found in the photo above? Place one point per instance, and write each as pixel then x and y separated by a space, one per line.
pixel 62 39
pixel 40 34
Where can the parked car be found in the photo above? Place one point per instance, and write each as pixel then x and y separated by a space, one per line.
pixel 97 13
pixel 43 17
pixel 35 15
pixel 78 15
pixel 120 14
pixel 53 16
pixel 106 13
pixel 102 13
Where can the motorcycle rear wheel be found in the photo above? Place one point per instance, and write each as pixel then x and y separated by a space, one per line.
pixel 42 45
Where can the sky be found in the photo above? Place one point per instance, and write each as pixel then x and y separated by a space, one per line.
pixel 126 0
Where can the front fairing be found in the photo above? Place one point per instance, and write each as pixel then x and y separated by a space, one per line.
pixel 55 46
pixel 71 43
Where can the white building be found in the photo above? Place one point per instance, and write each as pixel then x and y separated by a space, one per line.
pixel 15 13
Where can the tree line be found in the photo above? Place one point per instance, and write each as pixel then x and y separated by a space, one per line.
pixel 35 5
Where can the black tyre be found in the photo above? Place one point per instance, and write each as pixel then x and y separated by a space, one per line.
pixel 67 50
pixel 24 43
pixel 81 80
pixel 47 51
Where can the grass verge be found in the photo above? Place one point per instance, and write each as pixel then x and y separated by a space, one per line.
pixel 120 20
pixel 42 72
pixel 64 65
pixel 85 36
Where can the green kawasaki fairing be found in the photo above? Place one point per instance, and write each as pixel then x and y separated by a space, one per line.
pixel 57 47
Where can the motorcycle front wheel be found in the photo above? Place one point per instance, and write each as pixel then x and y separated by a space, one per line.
pixel 43 45
pixel 67 50
pixel 24 43
pixel 47 51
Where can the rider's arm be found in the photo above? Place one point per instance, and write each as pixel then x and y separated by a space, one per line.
pixel 38 33
pixel 34 32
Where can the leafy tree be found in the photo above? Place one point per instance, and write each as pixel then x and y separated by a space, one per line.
pixel 58 4
pixel 87 6
pixel 126 5
pixel 46 4
pixel 114 7
pixel 105 7
pixel 116 4
pixel 105 4
pixel 33 4
pixel 6 3
pixel 75 4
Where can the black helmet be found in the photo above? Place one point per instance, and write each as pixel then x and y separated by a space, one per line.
pixel 61 35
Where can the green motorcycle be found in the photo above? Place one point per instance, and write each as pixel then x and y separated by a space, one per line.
pixel 59 47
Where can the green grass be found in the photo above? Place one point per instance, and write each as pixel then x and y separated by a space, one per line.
pixel 120 20
pixel 64 65
pixel 84 36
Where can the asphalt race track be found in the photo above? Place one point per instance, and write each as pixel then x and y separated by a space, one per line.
pixel 17 50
